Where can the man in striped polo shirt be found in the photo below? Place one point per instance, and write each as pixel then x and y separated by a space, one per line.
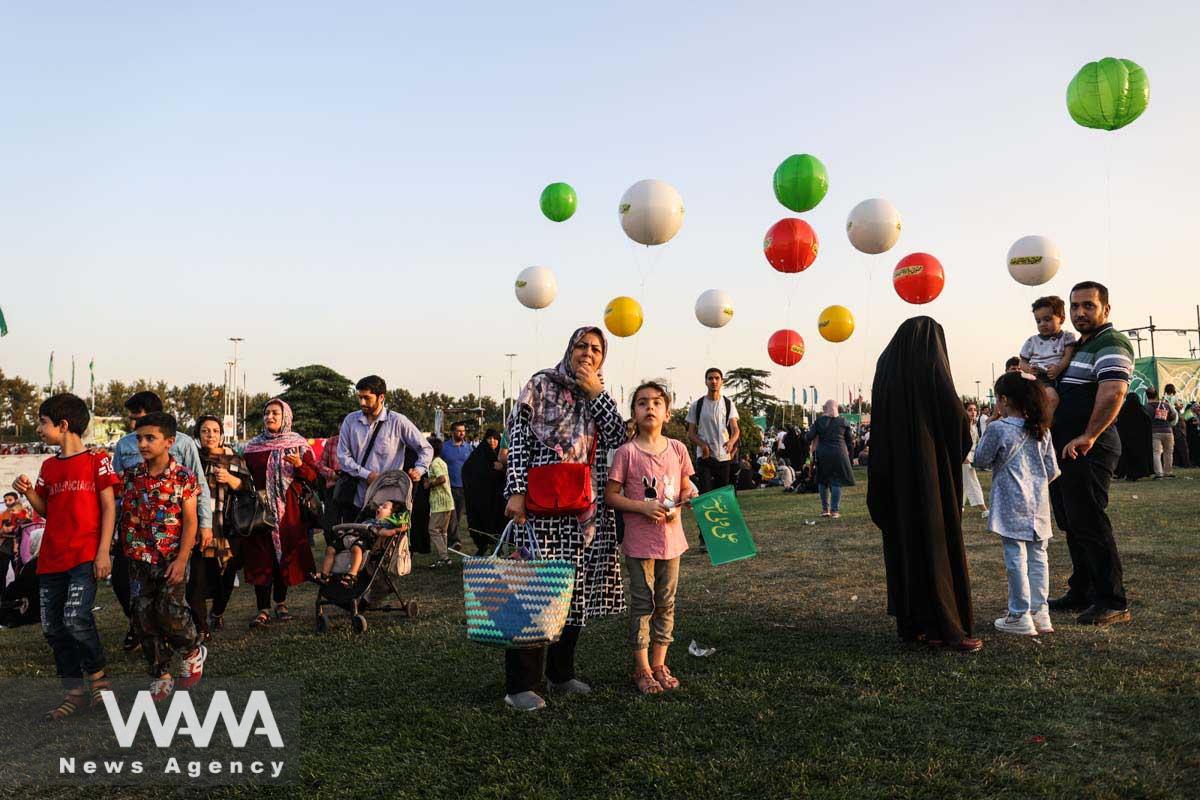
pixel 1092 390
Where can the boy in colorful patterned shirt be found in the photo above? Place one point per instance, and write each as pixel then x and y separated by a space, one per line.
pixel 157 533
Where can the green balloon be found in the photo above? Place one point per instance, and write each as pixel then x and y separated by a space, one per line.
pixel 801 182
pixel 558 201
pixel 1108 94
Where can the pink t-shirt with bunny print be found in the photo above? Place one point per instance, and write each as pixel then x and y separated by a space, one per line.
pixel 660 476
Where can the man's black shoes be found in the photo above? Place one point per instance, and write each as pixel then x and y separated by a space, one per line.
pixel 1069 603
pixel 1099 615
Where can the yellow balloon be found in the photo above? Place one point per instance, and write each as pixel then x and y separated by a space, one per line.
pixel 835 324
pixel 623 316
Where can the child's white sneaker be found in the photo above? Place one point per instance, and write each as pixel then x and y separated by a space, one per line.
pixel 1018 624
pixel 1041 621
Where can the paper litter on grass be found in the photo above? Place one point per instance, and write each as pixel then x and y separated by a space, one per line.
pixel 700 652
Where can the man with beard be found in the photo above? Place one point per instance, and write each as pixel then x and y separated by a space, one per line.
pixel 1092 389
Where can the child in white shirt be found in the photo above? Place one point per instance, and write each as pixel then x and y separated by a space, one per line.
pixel 1047 353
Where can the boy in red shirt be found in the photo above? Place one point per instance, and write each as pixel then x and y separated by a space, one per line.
pixel 74 492
pixel 158 532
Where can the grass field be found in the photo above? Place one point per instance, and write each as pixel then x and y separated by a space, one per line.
pixel 808 694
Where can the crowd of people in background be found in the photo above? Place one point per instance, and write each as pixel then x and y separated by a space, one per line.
pixel 156 518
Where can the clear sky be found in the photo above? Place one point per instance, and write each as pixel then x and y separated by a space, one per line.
pixel 357 184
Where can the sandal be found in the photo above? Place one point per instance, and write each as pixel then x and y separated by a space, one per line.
pixel 319 578
pixel 282 614
pixel 71 704
pixel 349 579
pixel 262 619
pixel 99 685
pixel 663 675
pixel 645 682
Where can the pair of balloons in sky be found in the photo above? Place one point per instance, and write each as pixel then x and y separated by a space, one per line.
pixel 651 211
pixel 536 288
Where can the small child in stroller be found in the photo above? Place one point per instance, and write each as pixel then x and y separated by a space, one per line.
pixel 387 522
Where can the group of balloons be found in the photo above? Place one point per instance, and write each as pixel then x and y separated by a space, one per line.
pixel 651 213
pixel 1107 94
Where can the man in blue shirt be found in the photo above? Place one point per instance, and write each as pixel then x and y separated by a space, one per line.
pixel 396 435
pixel 455 453
pixel 126 455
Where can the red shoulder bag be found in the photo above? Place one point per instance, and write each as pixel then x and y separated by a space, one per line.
pixel 557 490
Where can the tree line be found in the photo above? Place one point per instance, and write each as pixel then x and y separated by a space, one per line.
pixel 321 397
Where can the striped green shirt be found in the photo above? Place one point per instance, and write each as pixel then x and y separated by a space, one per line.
pixel 1106 356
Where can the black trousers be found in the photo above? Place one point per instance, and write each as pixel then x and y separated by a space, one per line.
pixel 120 579
pixel 277 590
pixel 524 667
pixel 224 588
pixel 1079 498
pixel 713 474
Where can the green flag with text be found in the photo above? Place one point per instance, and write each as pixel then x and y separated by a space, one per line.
pixel 723 526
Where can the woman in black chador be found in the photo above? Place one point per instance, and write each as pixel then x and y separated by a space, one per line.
pixel 919 440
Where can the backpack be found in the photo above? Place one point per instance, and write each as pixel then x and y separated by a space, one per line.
pixel 728 413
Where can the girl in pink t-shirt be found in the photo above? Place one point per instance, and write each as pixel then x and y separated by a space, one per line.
pixel 648 483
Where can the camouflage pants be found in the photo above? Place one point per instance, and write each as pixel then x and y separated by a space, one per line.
pixel 161 617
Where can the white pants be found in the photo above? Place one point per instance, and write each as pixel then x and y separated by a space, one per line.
pixel 1028 575
pixel 971 487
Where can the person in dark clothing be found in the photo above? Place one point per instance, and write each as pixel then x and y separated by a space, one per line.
pixel 1091 390
pixel 418 535
pixel 1183 455
pixel 1133 428
pixel 832 453
pixel 1191 421
pixel 919 439
pixel 483 485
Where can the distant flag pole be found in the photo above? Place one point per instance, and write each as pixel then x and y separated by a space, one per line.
pixel 72 373
pixel 92 381
pixel 50 390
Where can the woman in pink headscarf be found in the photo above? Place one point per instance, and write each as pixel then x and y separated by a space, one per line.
pixel 278 458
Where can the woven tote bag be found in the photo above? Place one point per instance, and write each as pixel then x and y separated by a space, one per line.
pixel 517 603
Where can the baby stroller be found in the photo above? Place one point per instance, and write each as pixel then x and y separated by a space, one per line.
pixel 394 486
pixel 19 600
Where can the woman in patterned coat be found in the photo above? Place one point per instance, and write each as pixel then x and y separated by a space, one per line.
pixel 564 414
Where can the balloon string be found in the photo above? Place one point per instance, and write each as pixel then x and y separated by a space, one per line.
pixel 867 332
pixel 1108 201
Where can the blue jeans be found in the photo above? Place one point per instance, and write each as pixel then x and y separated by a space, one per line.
pixel 67 622
pixel 1028 575
pixel 827 490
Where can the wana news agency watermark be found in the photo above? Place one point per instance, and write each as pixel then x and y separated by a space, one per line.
pixel 221 732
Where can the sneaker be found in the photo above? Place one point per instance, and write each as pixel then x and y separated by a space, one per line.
pixel 162 688
pixel 132 642
pixel 1018 624
pixel 216 622
pixel 1041 621
pixel 1099 615
pixel 835 514
pixel 525 701
pixel 825 514
pixel 573 686
pixel 192 668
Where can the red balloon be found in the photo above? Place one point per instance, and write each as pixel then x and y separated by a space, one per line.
pixel 785 347
pixel 918 278
pixel 791 245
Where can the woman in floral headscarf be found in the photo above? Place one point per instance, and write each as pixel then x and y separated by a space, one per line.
pixel 564 414
pixel 277 459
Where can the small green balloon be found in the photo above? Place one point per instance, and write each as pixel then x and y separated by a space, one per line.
pixel 558 202
pixel 1108 94
pixel 801 182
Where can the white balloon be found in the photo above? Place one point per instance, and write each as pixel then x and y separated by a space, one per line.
pixel 873 226
pixel 536 287
pixel 651 212
pixel 714 308
pixel 1033 260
